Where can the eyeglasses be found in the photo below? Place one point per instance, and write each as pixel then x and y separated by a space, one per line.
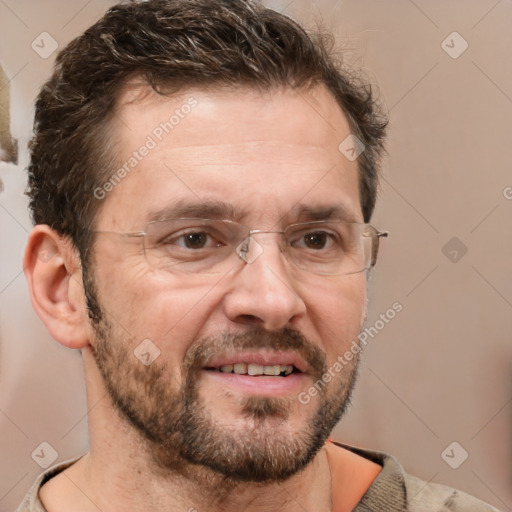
pixel 207 246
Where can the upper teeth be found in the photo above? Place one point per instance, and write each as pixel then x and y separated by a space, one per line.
pixel 256 369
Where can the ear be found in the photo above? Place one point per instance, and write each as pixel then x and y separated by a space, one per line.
pixel 53 271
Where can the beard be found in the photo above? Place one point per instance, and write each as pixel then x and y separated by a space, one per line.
pixel 180 431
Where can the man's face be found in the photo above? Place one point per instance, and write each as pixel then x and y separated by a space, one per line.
pixel 267 161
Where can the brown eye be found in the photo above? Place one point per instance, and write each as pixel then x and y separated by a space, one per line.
pixel 195 240
pixel 315 240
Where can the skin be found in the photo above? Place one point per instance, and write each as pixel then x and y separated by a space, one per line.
pixel 264 153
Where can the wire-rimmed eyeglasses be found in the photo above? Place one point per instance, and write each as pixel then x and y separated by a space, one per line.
pixel 208 246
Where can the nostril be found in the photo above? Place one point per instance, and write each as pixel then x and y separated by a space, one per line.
pixel 249 319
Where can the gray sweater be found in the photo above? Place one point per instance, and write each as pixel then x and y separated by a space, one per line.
pixel 392 491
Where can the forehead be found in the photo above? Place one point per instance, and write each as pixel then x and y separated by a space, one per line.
pixel 263 152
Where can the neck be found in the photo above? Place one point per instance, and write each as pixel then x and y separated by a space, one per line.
pixel 114 483
pixel 119 474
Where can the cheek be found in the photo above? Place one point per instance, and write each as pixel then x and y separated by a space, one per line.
pixel 164 309
pixel 338 312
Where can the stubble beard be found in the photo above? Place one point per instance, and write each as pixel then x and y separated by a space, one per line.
pixel 181 434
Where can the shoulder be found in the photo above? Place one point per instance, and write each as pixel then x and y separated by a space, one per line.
pixel 393 490
pixel 32 501
pixel 430 497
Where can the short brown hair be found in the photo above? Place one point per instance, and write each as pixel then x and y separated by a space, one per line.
pixel 173 43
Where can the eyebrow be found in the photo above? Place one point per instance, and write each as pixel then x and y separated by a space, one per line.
pixel 219 210
pixel 199 210
pixel 305 213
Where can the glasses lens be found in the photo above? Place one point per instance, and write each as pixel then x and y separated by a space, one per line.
pixel 331 248
pixel 192 245
pixel 215 246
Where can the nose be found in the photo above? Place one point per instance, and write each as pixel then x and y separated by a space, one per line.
pixel 263 292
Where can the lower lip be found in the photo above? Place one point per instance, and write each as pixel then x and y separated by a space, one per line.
pixel 261 385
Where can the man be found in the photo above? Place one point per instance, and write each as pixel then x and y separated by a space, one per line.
pixel 202 178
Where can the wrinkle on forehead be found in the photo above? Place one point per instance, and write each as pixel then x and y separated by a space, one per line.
pixel 310 120
pixel 237 145
pixel 139 94
pixel 281 153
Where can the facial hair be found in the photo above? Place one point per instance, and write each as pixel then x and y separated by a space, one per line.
pixel 179 430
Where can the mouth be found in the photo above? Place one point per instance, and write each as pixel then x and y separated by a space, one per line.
pixel 258 373
pixel 270 363
pixel 254 370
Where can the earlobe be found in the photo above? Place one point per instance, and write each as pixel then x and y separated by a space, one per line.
pixel 53 272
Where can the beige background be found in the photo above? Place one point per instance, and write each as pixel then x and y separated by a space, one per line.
pixel 440 371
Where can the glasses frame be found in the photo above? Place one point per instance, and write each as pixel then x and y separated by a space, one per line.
pixel 375 234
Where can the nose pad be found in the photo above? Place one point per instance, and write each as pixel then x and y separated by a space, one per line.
pixel 249 250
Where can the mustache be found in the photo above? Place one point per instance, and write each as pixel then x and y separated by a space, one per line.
pixel 286 339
